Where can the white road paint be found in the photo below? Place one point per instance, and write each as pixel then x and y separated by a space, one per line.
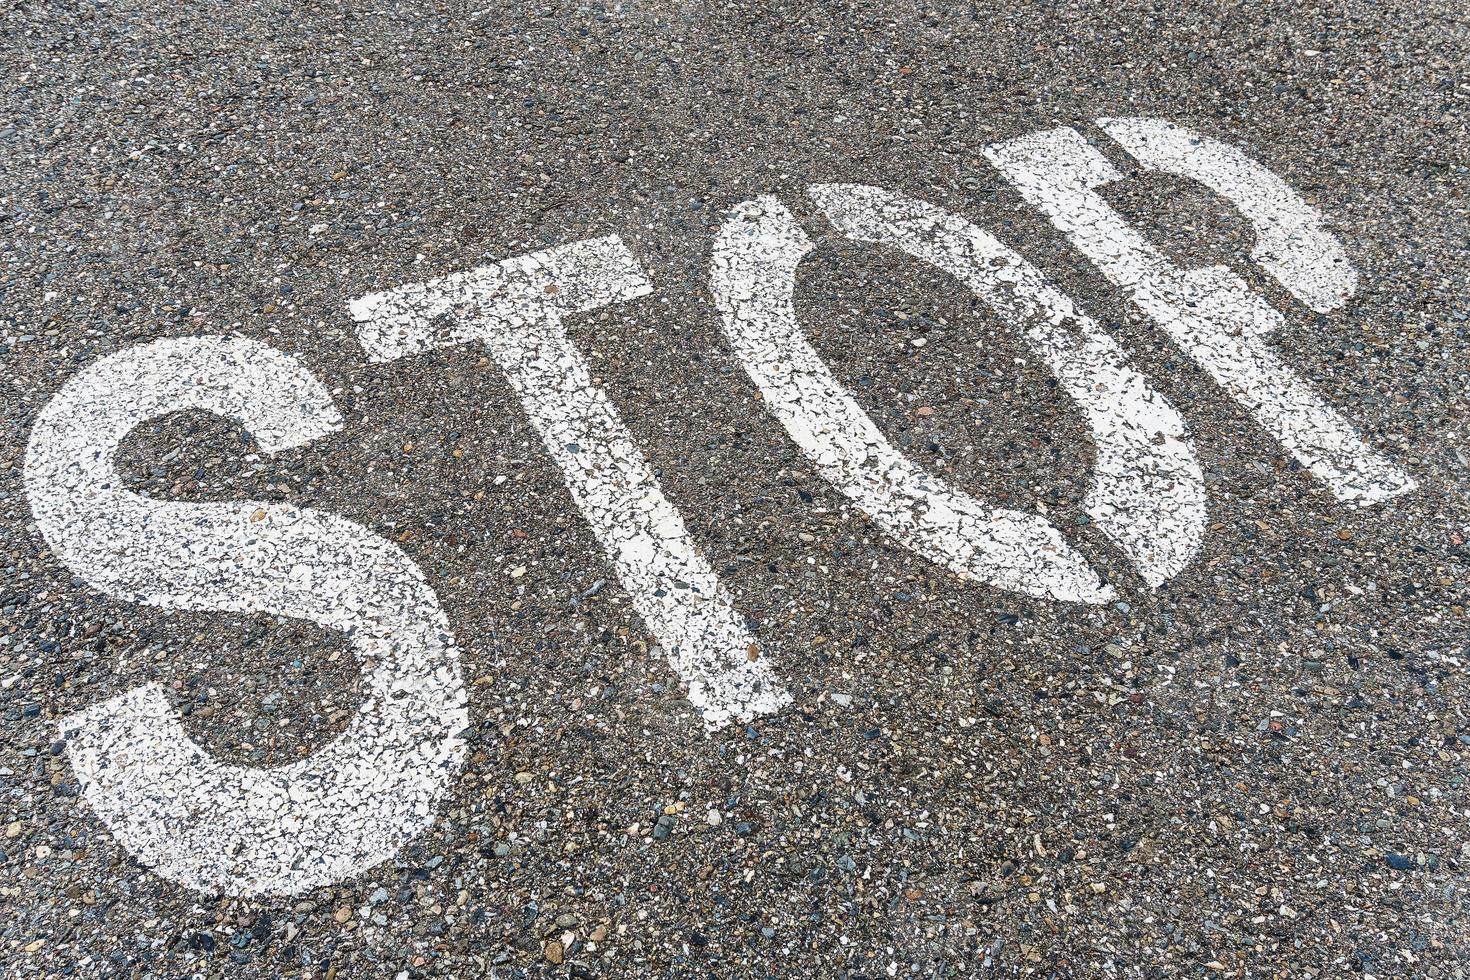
pixel 1147 494
pixel 1291 242
pixel 1210 312
pixel 353 803
pixel 516 309
pixel 198 821
pixel 753 277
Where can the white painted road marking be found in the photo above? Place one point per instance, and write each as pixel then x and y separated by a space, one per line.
pixel 1291 242
pixel 1210 312
pixel 516 308
pixel 753 275
pixel 195 820
pixel 352 804
pixel 1147 494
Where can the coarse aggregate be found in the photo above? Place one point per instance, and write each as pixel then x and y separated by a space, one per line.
pixel 1257 769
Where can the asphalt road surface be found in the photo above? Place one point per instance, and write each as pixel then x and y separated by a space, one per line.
pixel 753 489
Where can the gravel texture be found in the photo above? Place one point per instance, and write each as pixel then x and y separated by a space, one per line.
pixel 1257 769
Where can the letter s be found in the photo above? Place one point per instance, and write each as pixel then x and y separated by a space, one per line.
pixel 192 818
